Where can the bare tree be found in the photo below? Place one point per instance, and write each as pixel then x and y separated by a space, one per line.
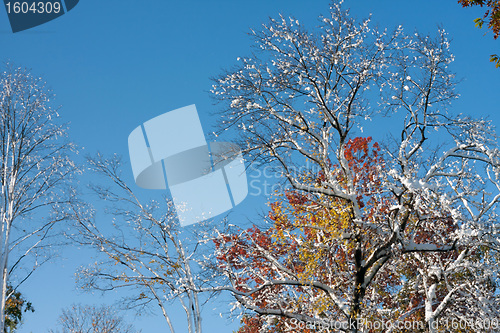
pixel 296 103
pixel 147 252
pixel 93 319
pixel 34 169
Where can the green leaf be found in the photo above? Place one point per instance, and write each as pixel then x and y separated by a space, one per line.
pixel 479 22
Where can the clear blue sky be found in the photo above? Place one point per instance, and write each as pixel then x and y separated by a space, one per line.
pixel 114 64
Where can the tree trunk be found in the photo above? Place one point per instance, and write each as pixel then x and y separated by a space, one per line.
pixel 358 293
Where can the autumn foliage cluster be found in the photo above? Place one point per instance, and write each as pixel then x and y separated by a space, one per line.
pixel 310 247
pixel 492 14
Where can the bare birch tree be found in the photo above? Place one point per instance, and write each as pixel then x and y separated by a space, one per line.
pixel 34 169
pixel 146 253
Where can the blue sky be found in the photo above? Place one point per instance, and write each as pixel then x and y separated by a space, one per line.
pixel 114 64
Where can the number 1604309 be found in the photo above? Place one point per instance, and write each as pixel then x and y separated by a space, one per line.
pixel 33 7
